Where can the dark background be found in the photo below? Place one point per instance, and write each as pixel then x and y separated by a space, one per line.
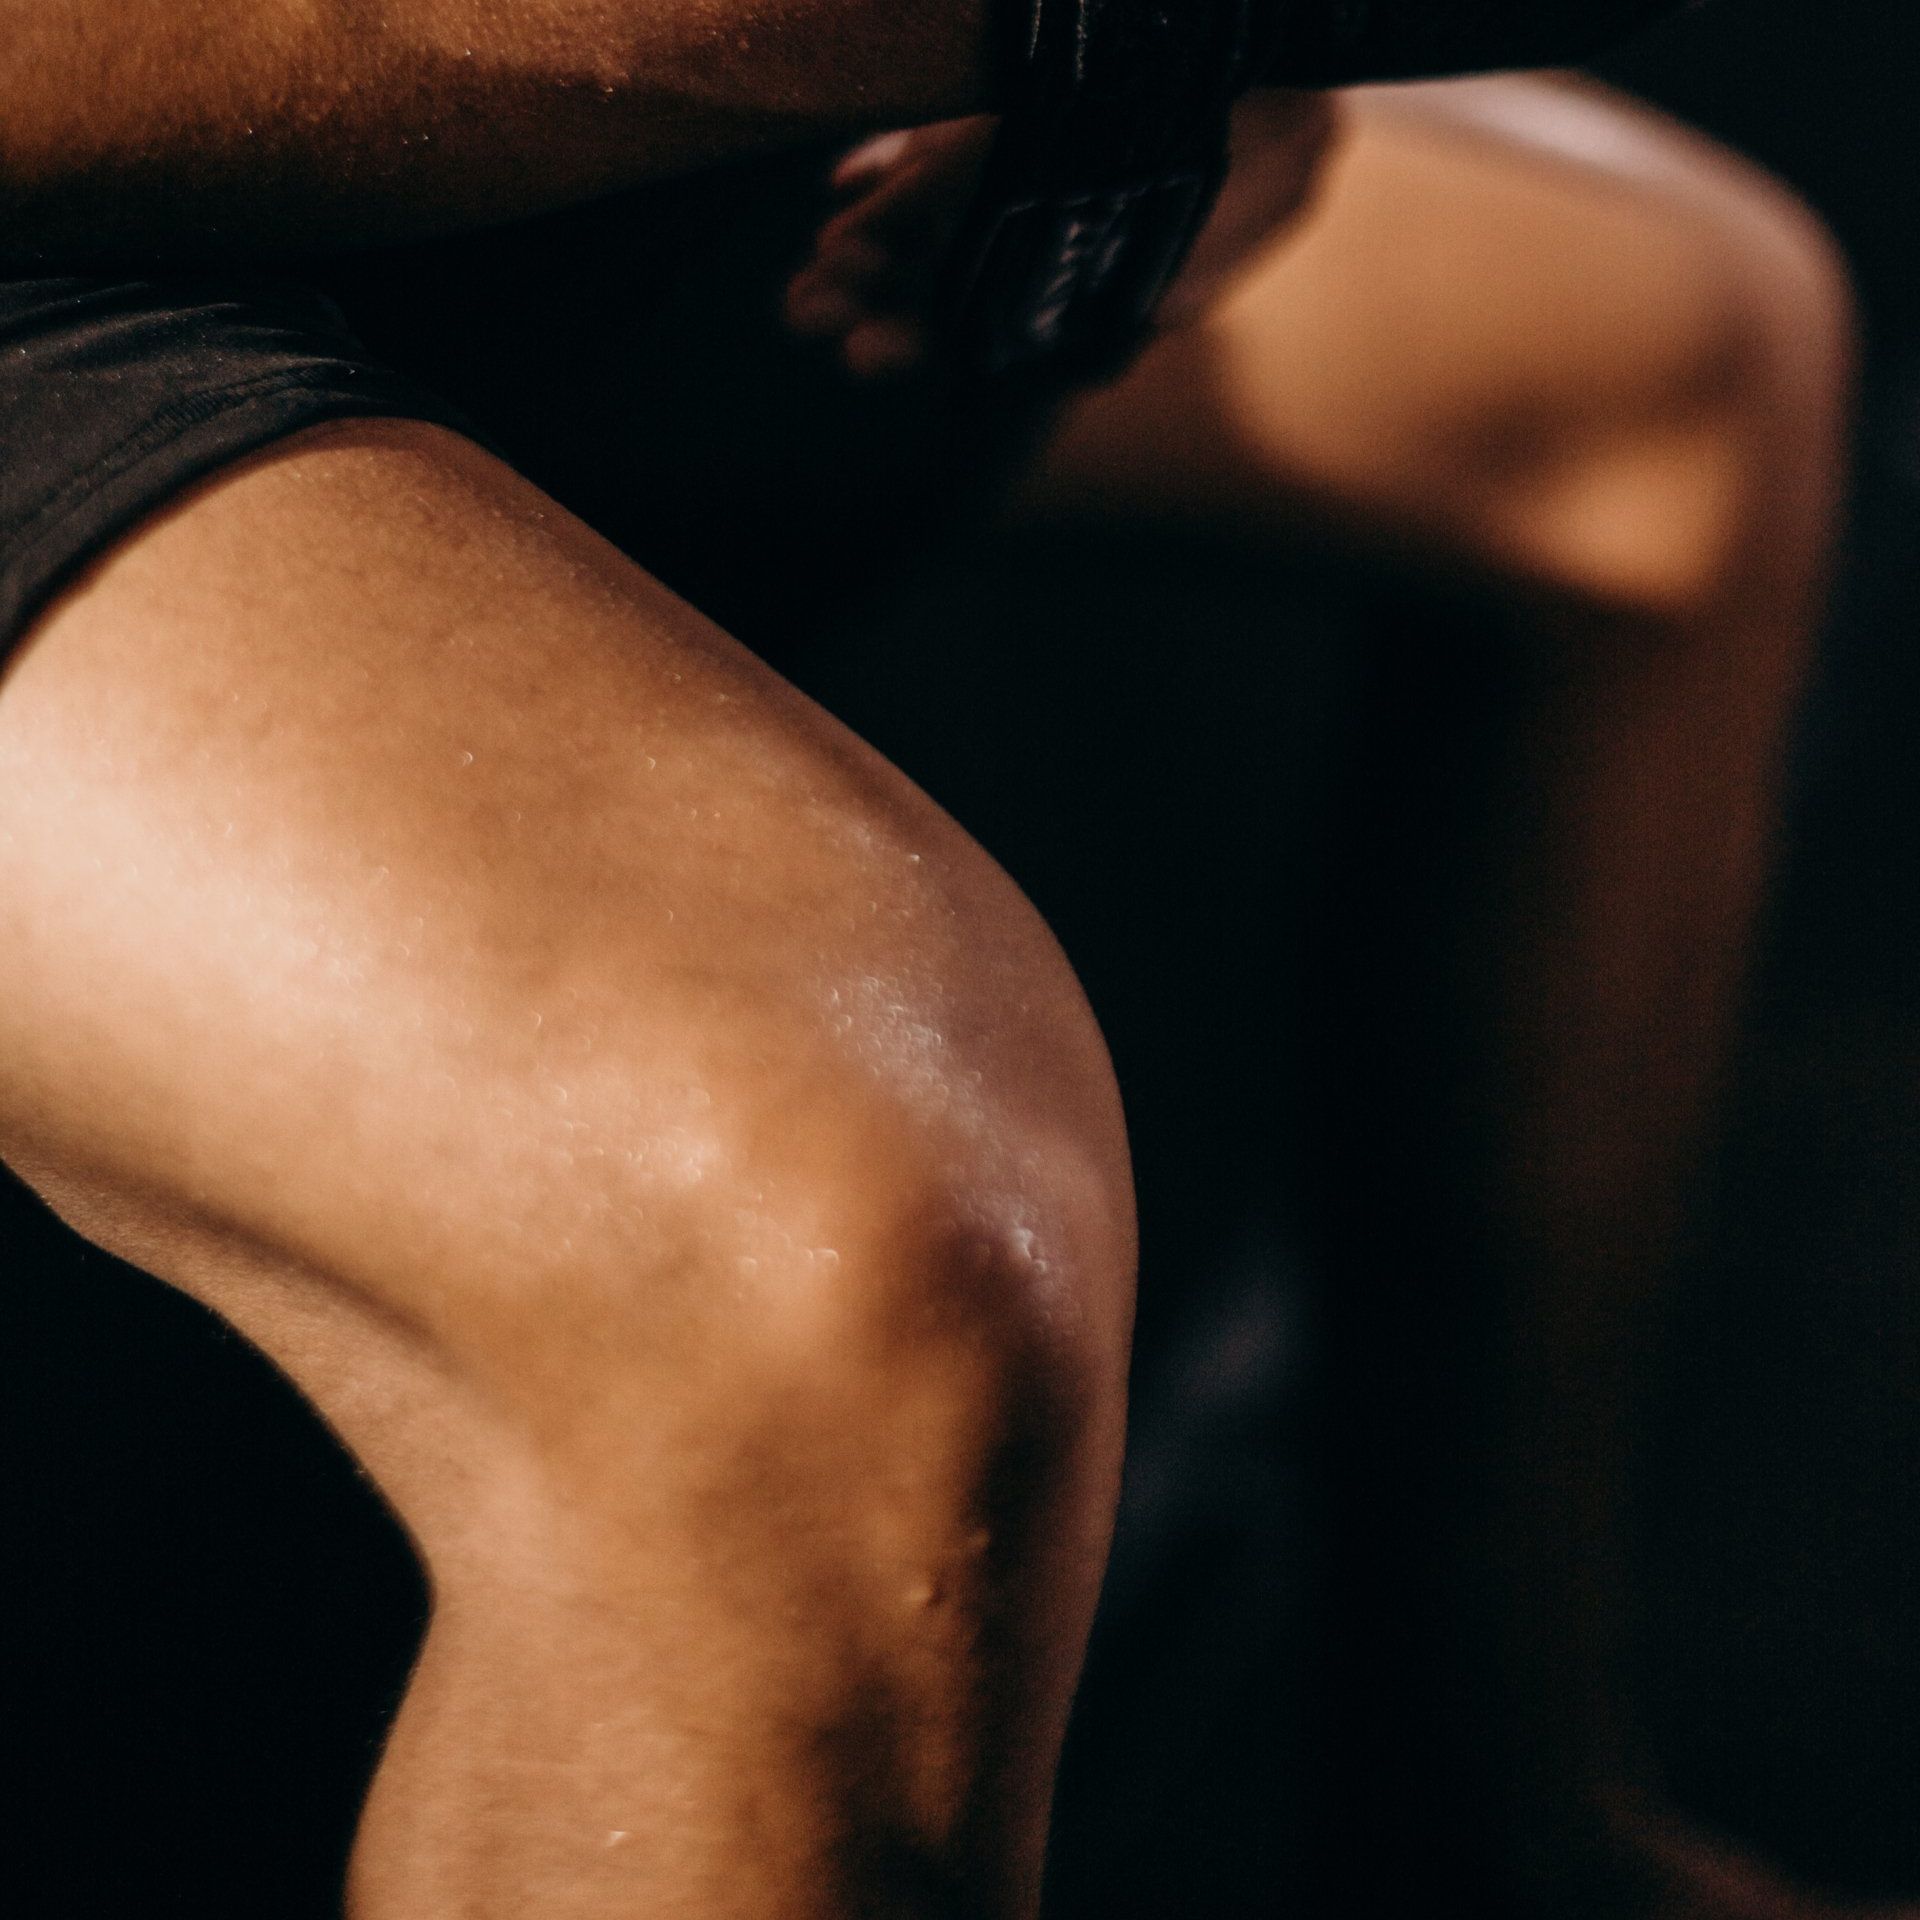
pixel 210 1616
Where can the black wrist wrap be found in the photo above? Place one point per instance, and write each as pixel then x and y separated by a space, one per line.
pixel 1114 143
pixel 1112 149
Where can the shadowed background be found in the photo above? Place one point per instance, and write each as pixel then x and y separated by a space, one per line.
pixel 210 1617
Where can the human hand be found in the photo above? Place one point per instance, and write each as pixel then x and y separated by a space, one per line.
pixel 870 284
pixel 874 272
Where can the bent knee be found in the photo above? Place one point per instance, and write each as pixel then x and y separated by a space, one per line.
pixel 808 1214
pixel 858 1158
pixel 891 1112
pixel 535 1025
pixel 1542 332
pixel 1686 430
pixel 832 1295
pixel 848 1238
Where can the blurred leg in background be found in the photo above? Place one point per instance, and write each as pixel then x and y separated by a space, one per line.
pixel 1595 372
pixel 1564 385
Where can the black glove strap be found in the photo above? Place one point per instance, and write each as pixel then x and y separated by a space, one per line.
pixel 1110 155
pixel 1115 142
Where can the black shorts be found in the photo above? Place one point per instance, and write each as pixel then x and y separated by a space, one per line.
pixel 626 356
pixel 117 392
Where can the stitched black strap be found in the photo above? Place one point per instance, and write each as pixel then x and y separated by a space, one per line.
pixel 1110 155
pixel 1114 144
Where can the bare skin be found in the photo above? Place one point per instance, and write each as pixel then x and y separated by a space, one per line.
pixel 1533 339
pixel 679 1164
pixel 1640 445
pixel 243 126
pixel 675 1161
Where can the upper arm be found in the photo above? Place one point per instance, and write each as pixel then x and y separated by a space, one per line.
pixel 244 128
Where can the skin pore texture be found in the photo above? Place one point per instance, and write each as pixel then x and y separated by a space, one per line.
pixel 242 126
pixel 678 1164
pixel 677 1161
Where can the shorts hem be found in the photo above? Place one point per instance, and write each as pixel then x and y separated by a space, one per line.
pixel 185 442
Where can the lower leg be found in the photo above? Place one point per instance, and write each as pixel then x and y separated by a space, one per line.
pixel 1534 1057
pixel 756 1682
pixel 787 1630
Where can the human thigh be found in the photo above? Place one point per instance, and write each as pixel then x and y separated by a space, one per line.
pixel 398 880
